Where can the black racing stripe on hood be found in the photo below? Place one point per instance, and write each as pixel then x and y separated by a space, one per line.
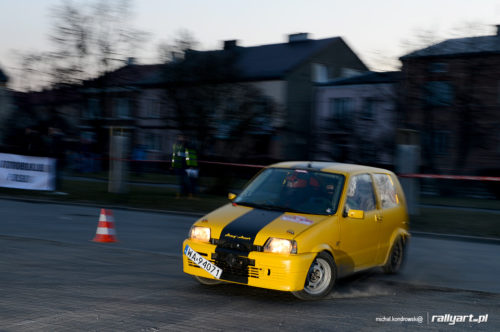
pixel 244 229
pixel 236 242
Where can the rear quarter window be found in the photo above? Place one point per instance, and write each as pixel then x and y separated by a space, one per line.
pixel 387 191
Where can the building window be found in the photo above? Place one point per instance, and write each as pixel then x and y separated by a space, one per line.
pixel 498 141
pixel 438 67
pixel 349 72
pixel 439 93
pixel 121 108
pixel 153 108
pixel 341 113
pixel 498 98
pixel 87 137
pixel 340 108
pixel 440 141
pixel 319 73
pixel 369 109
pixel 153 141
pixel 92 110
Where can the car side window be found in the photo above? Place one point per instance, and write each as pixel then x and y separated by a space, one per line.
pixel 360 194
pixel 387 191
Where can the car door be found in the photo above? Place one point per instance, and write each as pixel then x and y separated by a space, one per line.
pixel 360 222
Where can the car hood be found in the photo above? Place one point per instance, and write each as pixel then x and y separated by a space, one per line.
pixel 255 226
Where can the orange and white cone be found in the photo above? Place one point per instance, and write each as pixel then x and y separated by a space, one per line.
pixel 106 227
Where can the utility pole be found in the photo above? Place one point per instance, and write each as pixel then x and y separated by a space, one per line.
pixel 408 162
pixel 118 162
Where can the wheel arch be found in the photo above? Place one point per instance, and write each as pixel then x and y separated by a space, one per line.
pixel 398 233
pixel 324 248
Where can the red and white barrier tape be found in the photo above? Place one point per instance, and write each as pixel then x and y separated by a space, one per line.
pixel 450 177
pixel 411 175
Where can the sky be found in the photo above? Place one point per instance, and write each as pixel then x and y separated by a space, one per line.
pixel 379 31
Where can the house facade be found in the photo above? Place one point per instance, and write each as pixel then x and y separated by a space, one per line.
pixel 113 105
pixel 452 98
pixel 282 78
pixel 356 119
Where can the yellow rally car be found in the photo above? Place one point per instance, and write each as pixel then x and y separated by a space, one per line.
pixel 298 226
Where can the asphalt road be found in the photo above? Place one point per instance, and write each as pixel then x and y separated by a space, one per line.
pixel 53 278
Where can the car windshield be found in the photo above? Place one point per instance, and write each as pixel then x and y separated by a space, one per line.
pixel 294 190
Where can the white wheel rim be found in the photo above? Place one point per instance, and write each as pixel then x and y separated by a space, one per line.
pixel 319 277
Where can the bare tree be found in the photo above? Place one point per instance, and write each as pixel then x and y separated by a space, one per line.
pixel 173 50
pixel 210 104
pixel 87 39
pixel 113 37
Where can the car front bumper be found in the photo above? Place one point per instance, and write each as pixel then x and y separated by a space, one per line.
pixel 258 269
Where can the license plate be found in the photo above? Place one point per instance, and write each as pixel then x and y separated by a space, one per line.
pixel 202 262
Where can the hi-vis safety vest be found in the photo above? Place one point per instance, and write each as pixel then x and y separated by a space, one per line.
pixel 191 158
pixel 183 156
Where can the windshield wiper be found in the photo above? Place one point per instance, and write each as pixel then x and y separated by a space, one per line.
pixel 270 207
pixel 247 204
pixel 261 206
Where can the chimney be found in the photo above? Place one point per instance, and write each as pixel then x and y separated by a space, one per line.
pixel 230 44
pixel 298 37
pixel 130 61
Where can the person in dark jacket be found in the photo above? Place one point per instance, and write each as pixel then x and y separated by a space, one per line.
pixel 185 165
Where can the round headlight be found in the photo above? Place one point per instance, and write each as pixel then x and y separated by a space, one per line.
pixel 280 246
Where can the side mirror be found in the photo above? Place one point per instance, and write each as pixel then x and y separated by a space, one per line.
pixel 231 196
pixel 355 214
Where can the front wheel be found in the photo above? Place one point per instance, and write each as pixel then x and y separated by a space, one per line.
pixel 320 278
pixel 207 281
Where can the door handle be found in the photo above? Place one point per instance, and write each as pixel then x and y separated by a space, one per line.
pixel 379 218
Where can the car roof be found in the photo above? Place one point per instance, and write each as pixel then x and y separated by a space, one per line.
pixel 330 167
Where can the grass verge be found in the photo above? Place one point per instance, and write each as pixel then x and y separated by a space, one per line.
pixel 139 196
pixel 457 221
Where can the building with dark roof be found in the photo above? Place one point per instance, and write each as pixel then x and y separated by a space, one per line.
pixel 356 119
pixel 285 73
pixel 452 97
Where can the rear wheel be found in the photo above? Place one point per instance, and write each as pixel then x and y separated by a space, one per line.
pixel 320 278
pixel 207 281
pixel 396 257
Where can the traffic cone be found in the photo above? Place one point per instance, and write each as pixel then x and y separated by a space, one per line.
pixel 106 227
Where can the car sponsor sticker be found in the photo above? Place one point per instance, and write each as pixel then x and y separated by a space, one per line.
pixel 202 262
pixel 297 219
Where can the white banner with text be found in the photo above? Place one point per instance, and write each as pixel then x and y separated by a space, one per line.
pixel 24 172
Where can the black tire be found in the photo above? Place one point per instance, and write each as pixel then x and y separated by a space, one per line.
pixel 207 281
pixel 396 257
pixel 320 278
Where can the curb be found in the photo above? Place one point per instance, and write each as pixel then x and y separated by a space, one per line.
pixel 98 206
pixel 456 237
